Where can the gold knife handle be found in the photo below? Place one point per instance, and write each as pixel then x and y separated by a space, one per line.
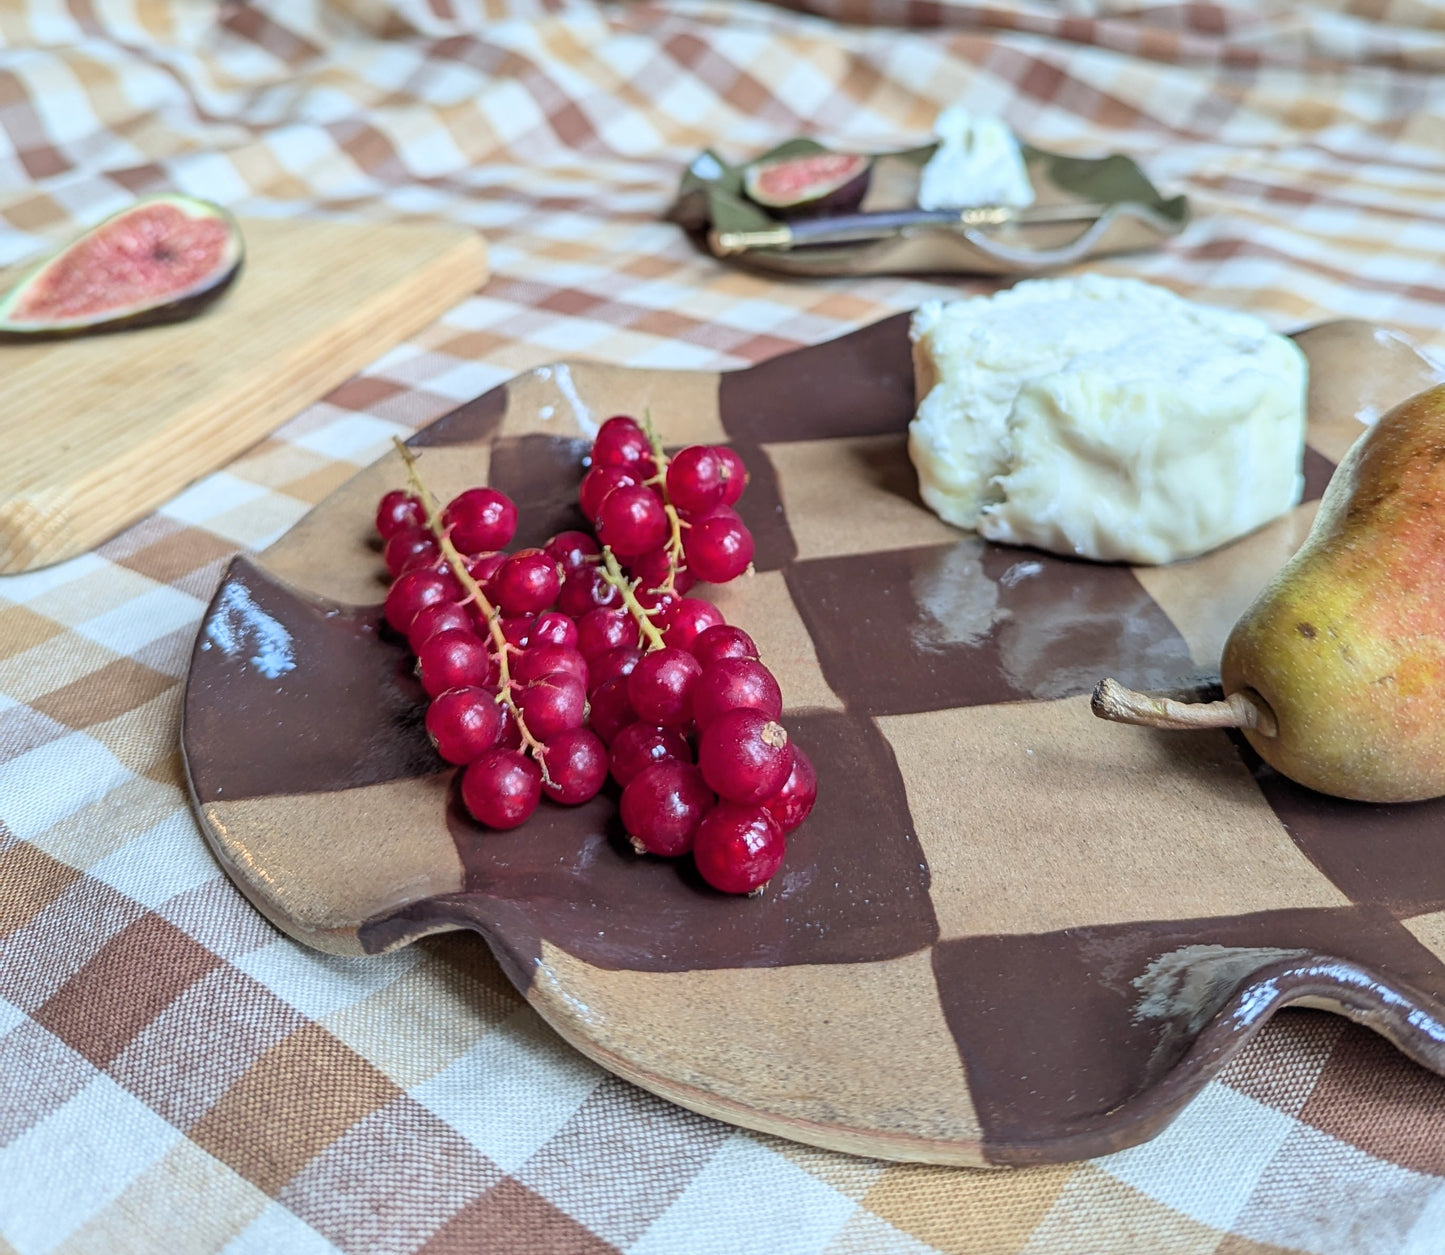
pixel 987 215
pixel 726 243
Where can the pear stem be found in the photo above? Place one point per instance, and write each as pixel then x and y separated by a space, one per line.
pixel 1243 709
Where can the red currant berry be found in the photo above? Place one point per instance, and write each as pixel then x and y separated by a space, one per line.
pixel 440 616
pixel 502 788
pixel 553 628
pixel 573 550
pixel 662 807
pixel 661 685
pixel 734 474
pixel 695 479
pixel 598 484
pixel 601 630
pixel 484 567
pixel 735 684
pixel 552 704
pixel 745 756
pixel 423 561
pixel 639 745
pixel 692 617
pixel 516 629
pixel 611 709
pixel 408 546
pixel 718 547
pixel 443 568
pixel 511 735
pixel 793 803
pixel 452 660
pixel 660 607
pixel 538 660
pixel 464 723
pixel 527 582
pixel 613 665
pixel 481 519
pixel 621 442
pixel 412 591
pixel 397 510
pixel 632 521
pixel 585 590
pixel 738 848
pixel 618 424
pixel 651 570
pixel 577 764
pixel 723 641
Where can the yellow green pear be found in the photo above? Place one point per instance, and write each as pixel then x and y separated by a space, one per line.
pixel 1336 672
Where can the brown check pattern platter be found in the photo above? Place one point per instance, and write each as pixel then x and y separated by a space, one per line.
pixel 1008 934
pixel 284 1099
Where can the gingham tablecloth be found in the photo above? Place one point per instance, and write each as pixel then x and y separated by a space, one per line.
pixel 175 1075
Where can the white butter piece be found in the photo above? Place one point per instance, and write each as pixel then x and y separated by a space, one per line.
pixel 1105 418
pixel 977 162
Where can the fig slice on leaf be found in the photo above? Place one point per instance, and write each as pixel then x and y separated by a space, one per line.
pixel 815 182
pixel 163 259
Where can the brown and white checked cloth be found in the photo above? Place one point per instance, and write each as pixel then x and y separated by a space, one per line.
pixel 174 1074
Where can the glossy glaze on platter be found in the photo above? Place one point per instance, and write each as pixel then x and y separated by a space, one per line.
pixel 1009 934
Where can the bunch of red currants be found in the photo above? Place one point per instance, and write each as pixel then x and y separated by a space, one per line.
pixel 550 669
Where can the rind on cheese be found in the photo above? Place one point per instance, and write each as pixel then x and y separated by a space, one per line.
pixel 1105 418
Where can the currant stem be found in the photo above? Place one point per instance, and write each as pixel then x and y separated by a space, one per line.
pixel 674 520
pixel 674 546
pixel 612 573
pixel 474 592
pixel 1242 709
pixel 658 456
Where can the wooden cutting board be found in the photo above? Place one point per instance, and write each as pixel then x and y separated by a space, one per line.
pixel 98 432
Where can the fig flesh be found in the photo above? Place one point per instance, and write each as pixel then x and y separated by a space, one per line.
pixel 813 183
pixel 164 259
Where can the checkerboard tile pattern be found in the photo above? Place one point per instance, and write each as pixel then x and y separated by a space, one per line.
pixel 176 1076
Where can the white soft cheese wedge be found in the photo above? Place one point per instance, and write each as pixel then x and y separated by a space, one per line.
pixel 977 162
pixel 1105 418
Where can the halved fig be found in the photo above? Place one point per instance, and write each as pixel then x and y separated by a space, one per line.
pixel 162 260
pixel 813 183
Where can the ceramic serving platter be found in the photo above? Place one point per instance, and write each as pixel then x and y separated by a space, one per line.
pixel 1126 213
pixel 1010 933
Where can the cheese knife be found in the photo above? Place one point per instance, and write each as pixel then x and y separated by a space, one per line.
pixel 850 228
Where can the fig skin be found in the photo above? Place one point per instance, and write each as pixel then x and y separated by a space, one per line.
pixel 178 310
pixel 1346 644
pixel 836 193
pixel 184 305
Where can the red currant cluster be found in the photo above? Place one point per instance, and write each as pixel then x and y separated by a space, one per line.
pixel 670 523
pixel 551 668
